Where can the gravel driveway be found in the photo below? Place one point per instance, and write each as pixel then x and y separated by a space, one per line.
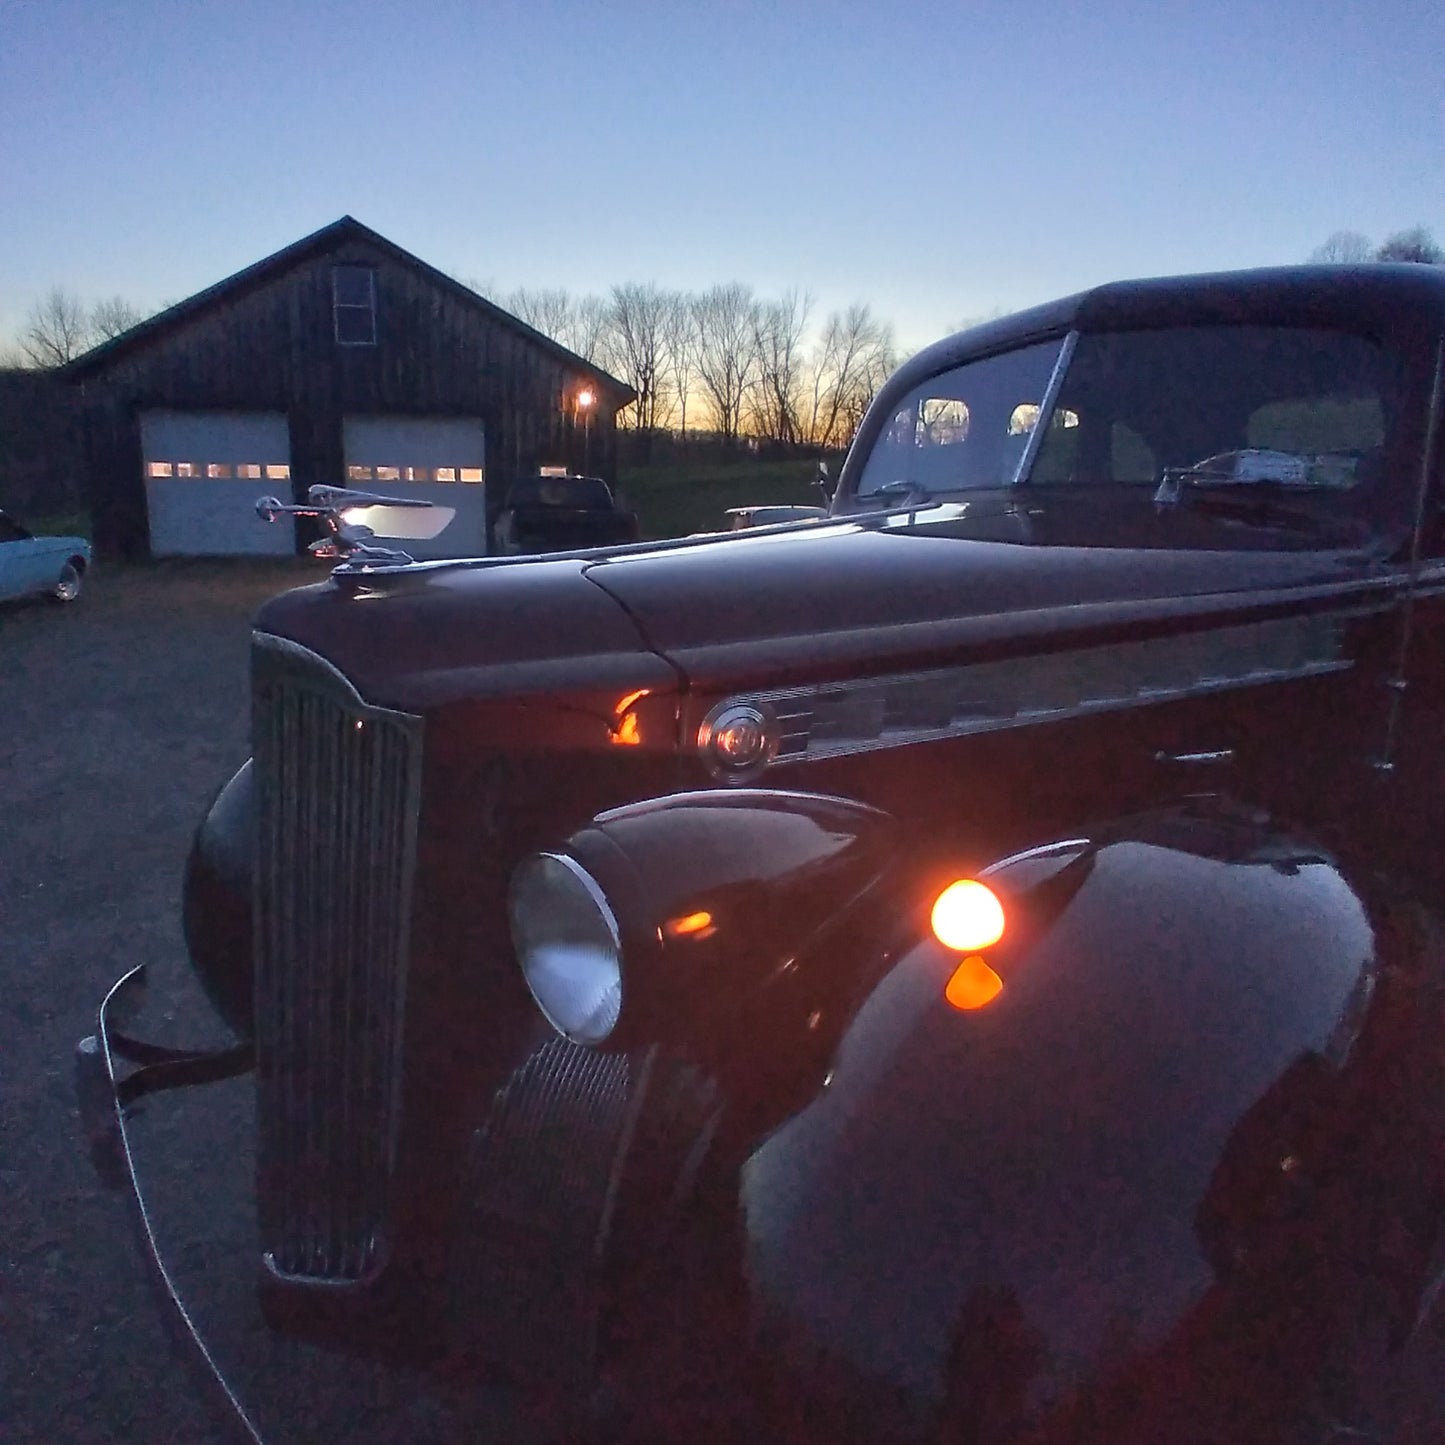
pixel 120 716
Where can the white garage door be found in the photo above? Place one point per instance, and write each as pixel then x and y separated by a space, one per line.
pixel 204 471
pixel 439 459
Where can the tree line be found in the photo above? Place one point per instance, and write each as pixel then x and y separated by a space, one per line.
pixel 1351 248
pixel 723 361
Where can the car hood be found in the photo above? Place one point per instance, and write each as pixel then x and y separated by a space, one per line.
pixel 804 601
pixel 786 605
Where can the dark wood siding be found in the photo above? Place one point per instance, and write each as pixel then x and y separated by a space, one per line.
pixel 272 347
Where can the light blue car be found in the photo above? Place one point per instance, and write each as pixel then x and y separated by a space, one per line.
pixel 40 566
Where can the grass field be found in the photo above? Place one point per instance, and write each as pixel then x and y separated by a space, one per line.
pixel 673 500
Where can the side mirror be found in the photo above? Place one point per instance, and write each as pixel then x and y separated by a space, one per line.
pixel 825 483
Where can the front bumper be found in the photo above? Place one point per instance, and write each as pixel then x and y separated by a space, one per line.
pixel 113 1071
pixel 184 1157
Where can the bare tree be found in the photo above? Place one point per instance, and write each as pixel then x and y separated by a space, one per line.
pixel 578 323
pixel 109 318
pixel 726 356
pixel 57 329
pixel 851 360
pixel 587 329
pixel 1416 244
pixel 680 349
pixel 1346 247
pixel 776 400
pixel 637 347
pixel 547 311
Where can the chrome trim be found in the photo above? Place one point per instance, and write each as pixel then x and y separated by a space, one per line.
pixel 1046 409
pixel 338 794
pixel 839 719
pixel 106 1121
pixel 723 714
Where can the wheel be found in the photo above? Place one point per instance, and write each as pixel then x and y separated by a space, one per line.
pixel 67 589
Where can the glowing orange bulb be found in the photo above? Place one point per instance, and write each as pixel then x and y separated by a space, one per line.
pixel 967 915
pixel 625 730
pixel 973 984
pixel 694 925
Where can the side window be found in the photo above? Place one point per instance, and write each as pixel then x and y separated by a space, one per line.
pixel 1131 458
pixel 1318 426
pixel 353 304
pixel 10 532
pixel 1058 458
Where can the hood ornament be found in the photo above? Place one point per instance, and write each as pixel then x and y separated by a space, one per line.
pixel 353 520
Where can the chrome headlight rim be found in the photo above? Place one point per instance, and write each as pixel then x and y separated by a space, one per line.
pixel 588 1027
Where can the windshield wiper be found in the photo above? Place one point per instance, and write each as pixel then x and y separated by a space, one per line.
pixel 907 493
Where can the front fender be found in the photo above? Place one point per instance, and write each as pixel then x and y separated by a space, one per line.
pixel 216 902
pixel 1140 1187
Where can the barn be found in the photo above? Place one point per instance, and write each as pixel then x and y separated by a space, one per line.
pixel 340 359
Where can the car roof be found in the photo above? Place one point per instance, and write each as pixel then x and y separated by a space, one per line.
pixel 1403 300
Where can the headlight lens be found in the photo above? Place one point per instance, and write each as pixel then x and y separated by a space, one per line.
pixel 568 945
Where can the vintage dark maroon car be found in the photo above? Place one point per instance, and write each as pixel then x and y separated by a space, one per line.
pixel 969 969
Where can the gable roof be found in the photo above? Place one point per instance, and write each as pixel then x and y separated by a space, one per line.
pixel 319 243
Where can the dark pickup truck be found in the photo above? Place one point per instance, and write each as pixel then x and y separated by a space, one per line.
pixel 556 514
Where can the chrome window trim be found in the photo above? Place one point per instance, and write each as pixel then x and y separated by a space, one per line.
pixel 1046 410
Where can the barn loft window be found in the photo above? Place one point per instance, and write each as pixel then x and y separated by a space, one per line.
pixel 353 303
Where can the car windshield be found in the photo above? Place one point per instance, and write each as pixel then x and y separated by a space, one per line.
pixel 1201 405
pixel 963 429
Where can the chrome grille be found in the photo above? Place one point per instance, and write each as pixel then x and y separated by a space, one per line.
pixel 337 797
pixel 579 1152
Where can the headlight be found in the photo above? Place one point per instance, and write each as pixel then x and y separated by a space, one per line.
pixel 568 945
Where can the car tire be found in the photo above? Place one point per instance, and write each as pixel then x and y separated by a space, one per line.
pixel 67 587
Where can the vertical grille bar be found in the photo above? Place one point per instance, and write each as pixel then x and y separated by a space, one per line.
pixel 338 793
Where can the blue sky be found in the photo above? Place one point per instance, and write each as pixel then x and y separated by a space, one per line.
pixel 939 162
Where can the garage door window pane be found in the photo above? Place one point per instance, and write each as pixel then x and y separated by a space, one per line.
pixel 471 474
pixel 278 472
